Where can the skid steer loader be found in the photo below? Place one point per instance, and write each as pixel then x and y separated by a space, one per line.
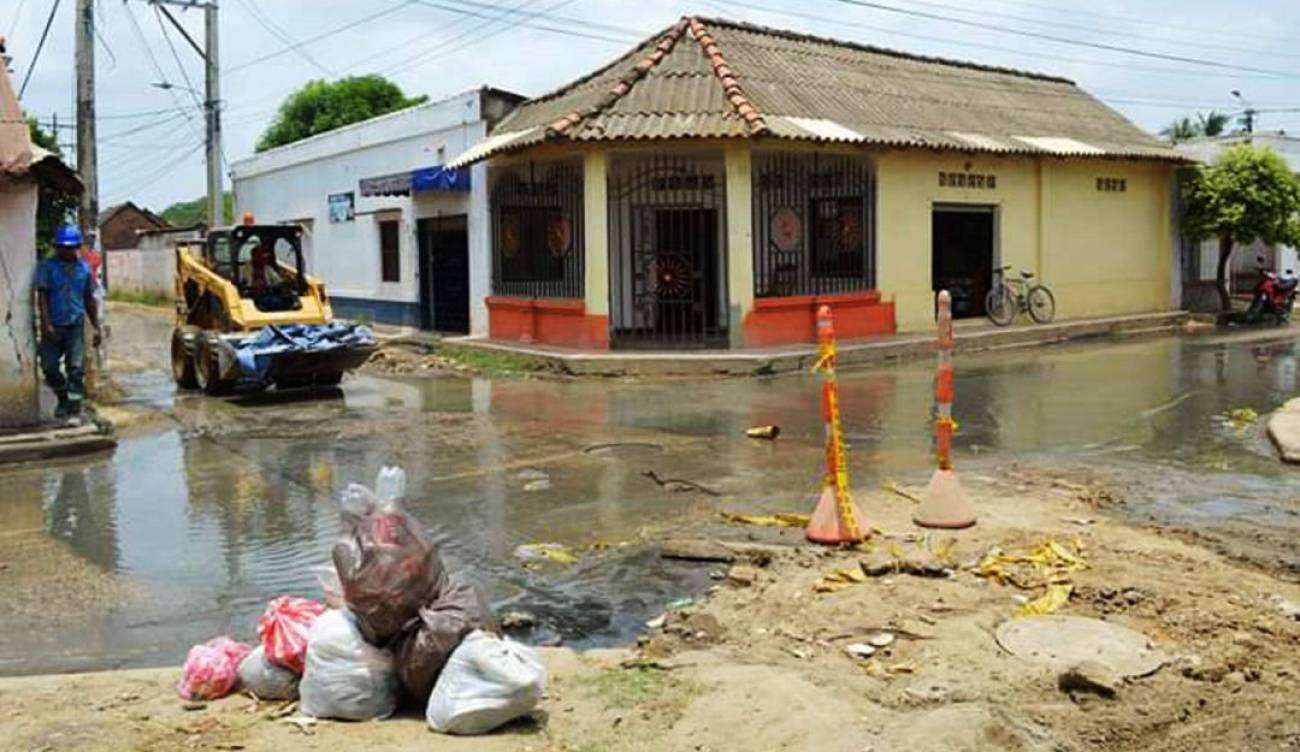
pixel 248 316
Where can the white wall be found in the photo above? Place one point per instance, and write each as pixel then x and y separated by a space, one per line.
pixel 19 392
pixel 293 183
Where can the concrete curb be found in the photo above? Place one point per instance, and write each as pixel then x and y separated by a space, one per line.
pixel 56 443
pixel 1284 431
pixel 703 363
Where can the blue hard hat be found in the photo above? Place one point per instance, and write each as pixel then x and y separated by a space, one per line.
pixel 68 236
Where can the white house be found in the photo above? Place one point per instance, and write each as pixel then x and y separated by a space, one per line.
pixel 395 236
pixel 1200 262
pixel 24 168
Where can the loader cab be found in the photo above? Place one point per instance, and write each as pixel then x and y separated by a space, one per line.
pixel 264 262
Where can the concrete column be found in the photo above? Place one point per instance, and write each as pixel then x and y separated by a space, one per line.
pixel 480 250
pixel 740 239
pixel 595 232
pixel 19 389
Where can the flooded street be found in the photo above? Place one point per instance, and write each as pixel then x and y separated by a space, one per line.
pixel 203 514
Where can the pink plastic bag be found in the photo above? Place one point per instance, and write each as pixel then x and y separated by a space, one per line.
pixel 283 630
pixel 212 669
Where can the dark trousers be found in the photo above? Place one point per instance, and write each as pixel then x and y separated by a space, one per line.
pixel 66 347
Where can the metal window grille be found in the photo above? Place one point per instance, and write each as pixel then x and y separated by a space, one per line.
pixel 814 224
pixel 667 241
pixel 537 230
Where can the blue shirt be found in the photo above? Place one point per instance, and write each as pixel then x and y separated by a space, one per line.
pixel 66 285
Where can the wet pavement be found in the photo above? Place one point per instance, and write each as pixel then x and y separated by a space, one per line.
pixel 229 502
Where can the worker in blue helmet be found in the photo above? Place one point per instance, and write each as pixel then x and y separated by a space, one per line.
pixel 65 292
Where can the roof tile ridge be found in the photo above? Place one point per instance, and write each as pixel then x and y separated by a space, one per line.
pixel 731 87
pixel 566 124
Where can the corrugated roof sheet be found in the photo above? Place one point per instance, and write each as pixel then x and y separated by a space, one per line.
pixel 714 78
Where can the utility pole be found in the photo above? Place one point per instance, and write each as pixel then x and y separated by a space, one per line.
pixel 87 164
pixel 211 98
pixel 213 104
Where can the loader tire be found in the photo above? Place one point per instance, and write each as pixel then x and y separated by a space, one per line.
pixel 182 362
pixel 329 380
pixel 206 373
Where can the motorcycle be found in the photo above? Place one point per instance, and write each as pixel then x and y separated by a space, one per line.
pixel 1273 296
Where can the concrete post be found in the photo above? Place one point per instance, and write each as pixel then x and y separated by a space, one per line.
pixel 595 232
pixel 740 239
pixel 480 250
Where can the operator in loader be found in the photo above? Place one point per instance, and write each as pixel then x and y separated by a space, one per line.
pixel 260 276
pixel 65 289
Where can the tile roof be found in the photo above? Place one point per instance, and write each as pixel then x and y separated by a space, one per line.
pixel 705 77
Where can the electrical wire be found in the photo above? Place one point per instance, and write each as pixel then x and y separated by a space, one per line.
pixel 280 34
pixel 39 46
pixel 1061 40
pixel 189 85
pixel 1200 44
pixel 18 15
pixel 840 23
pixel 162 170
pixel 323 35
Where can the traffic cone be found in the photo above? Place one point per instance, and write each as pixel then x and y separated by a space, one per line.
pixel 834 520
pixel 945 503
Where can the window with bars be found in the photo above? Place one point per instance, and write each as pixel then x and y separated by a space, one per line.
pixel 537 230
pixel 814 224
pixel 390 250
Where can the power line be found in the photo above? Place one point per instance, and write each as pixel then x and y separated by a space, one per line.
pixel 1061 40
pixel 18 14
pixel 984 12
pixel 280 34
pixel 329 33
pixel 39 46
pixel 840 23
pixel 189 85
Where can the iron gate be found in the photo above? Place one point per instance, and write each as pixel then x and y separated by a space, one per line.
pixel 667 263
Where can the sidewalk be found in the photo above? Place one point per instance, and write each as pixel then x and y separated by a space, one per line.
pixel 971 336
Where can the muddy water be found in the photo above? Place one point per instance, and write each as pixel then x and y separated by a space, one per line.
pixel 231 502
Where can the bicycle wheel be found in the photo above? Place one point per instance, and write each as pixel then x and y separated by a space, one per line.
pixel 1042 304
pixel 1000 305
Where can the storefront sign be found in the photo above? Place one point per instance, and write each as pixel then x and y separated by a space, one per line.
pixel 1112 185
pixel 967 180
pixel 342 207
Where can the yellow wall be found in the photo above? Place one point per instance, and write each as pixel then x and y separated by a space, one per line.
pixel 1101 253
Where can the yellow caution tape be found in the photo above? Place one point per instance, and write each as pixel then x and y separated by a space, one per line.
pixel 767 520
pixel 1050 564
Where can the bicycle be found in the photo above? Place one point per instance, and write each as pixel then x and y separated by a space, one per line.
pixel 1012 296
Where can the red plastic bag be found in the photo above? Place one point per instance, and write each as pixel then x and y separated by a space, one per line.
pixel 283 630
pixel 212 669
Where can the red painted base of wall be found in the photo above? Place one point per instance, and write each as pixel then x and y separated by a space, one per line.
pixel 545 321
pixel 793 320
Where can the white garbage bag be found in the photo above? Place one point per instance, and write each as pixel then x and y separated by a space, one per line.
pixel 345 676
pixel 488 681
pixel 265 679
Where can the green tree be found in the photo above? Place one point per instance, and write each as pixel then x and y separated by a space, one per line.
pixel 321 106
pixel 1212 123
pixel 188 213
pixel 53 207
pixel 1248 194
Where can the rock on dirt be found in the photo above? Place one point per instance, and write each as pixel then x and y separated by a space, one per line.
pixel 742 575
pixel 1089 677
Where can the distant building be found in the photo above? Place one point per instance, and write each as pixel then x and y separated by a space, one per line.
pixel 395 235
pixel 24 168
pixel 149 268
pixel 121 223
pixel 714 186
pixel 1200 261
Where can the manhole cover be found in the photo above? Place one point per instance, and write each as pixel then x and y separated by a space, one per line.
pixel 1063 641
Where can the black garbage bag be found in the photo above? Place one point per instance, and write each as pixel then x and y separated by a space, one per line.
pixel 423 650
pixel 386 564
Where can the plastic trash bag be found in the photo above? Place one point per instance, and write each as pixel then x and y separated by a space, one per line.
pixel 212 669
pixel 265 679
pixel 328 579
pixel 488 681
pixel 385 561
pixel 346 677
pixel 283 627
pixel 423 651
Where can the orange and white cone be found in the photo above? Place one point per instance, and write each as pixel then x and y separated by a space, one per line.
pixel 945 503
pixel 834 520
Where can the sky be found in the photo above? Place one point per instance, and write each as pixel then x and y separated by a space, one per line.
pixel 151 139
